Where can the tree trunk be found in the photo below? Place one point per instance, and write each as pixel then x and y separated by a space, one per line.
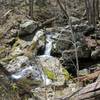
pixel 12 3
pixel 92 11
pixel 31 8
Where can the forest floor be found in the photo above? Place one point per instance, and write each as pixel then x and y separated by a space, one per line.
pixel 37 56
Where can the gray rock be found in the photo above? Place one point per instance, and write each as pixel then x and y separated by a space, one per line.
pixel 75 20
pixel 22 68
pixel 26 28
pixel 64 43
pixel 83 72
pixel 53 69
pixel 70 54
pixel 96 53
pixel 17 63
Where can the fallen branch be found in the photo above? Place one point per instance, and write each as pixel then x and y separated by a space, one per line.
pixel 5 16
pixel 90 91
pixel 2 69
pixel 38 27
pixel 62 8
pixel 91 76
pixel 7 13
pixel 44 24
pixel 85 93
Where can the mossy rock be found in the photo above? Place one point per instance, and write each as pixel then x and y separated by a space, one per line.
pixel 7 59
pixel 43 38
pixel 66 74
pixel 1 35
pixel 2 49
pixel 26 82
pixel 50 74
pixel 32 47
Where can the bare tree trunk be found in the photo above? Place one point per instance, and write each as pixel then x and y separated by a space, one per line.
pixel 97 9
pixel 92 11
pixel 12 3
pixel 31 8
pixel 40 2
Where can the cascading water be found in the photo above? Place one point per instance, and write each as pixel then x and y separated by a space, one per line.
pixel 47 53
pixel 29 70
pixel 22 73
pixel 48 45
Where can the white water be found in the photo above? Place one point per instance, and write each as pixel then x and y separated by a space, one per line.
pixel 23 73
pixel 48 45
pixel 47 53
pixel 38 35
pixel 46 81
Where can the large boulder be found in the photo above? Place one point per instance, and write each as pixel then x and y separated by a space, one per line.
pixel 29 45
pixel 81 53
pixel 44 70
pixel 53 69
pixel 25 28
pixel 17 63
pixel 21 68
pixel 64 43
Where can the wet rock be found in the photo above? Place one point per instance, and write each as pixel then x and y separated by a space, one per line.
pixel 26 28
pixel 4 51
pixel 83 72
pixel 70 54
pixel 96 53
pixel 17 63
pixel 75 20
pixel 53 69
pixel 24 71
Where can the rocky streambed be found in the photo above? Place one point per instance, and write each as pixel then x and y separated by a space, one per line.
pixel 42 65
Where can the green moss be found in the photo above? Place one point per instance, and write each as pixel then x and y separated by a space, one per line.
pixel 65 73
pixel 28 82
pixel 16 44
pixel 43 38
pixel 50 74
pixel 2 49
pixel 1 35
pixel 33 45
pixel 14 87
pixel 7 59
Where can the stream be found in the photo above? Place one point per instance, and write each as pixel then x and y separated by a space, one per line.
pixel 30 69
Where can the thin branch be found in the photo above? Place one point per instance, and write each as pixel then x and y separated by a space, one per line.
pixel 72 33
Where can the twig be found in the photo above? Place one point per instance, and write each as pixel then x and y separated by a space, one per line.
pixel 62 8
pixel 72 33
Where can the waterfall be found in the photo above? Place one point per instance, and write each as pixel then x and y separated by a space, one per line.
pixel 48 45
pixel 46 81
pixel 22 73
pixel 37 74
pixel 31 69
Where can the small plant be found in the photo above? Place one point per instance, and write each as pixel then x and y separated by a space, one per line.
pixel 66 74
pixel 50 74
pixel 14 87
